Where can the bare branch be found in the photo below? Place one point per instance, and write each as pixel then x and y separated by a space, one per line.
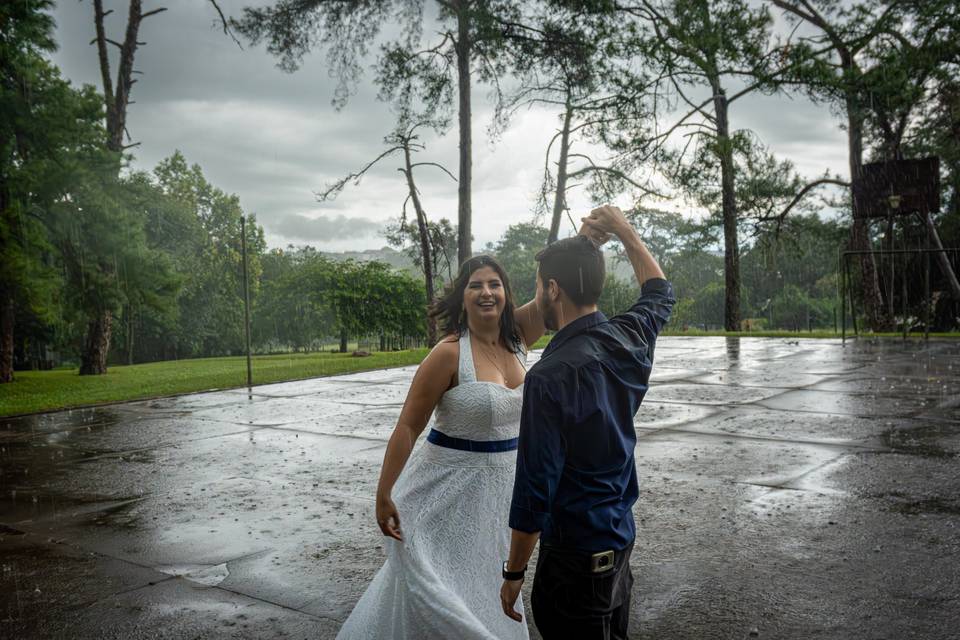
pixel 225 23
pixel 434 164
pixel 109 41
pixel 332 191
pixel 803 192
pixel 611 171
pixel 152 13
pixel 698 109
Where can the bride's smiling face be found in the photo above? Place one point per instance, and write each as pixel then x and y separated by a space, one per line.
pixel 484 298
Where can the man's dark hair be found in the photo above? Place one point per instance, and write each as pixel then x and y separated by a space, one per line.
pixel 577 265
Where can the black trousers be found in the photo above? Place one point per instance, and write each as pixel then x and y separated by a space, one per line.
pixel 570 601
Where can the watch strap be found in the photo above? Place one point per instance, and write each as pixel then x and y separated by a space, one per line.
pixel 512 575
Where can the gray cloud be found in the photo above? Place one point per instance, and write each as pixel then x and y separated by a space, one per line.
pixel 323 228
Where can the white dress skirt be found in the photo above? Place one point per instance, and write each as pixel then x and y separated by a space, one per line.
pixel 453 497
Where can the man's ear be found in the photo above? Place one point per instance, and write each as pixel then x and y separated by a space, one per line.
pixel 553 289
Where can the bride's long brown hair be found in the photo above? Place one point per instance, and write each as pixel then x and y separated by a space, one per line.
pixel 451 316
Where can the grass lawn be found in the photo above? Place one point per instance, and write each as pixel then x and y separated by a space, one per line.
pixel 34 391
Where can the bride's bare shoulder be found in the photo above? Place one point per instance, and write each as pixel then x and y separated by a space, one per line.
pixel 438 371
pixel 444 356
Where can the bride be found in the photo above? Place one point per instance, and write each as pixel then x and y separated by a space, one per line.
pixel 446 512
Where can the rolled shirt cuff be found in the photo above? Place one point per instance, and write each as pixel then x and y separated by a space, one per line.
pixel 528 521
pixel 656 285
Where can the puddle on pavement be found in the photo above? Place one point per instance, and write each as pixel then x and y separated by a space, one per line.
pixel 913 506
pixel 926 440
pixel 205 574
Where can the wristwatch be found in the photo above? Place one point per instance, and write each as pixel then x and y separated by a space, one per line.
pixel 512 575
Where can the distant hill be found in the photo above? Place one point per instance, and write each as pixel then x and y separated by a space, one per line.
pixel 396 259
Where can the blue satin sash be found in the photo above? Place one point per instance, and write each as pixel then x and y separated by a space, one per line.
pixel 480 446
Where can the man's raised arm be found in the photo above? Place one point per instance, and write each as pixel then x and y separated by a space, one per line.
pixel 609 219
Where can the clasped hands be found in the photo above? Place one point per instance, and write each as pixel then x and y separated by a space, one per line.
pixel 603 223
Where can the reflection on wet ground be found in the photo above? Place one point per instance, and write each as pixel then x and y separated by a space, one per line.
pixel 789 489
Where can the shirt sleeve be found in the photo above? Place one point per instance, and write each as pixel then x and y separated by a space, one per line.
pixel 651 310
pixel 541 451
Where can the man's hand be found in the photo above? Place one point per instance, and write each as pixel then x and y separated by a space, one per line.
pixel 388 519
pixel 598 237
pixel 607 220
pixel 509 593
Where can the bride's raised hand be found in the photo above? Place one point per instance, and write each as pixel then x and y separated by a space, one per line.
pixel 388 519
pixel 599 237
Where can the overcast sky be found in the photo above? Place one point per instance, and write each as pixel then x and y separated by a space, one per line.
pixel 274 139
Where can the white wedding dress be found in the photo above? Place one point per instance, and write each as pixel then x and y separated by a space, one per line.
pixel 443 580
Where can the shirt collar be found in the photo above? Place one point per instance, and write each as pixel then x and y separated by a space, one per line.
pixel 580 324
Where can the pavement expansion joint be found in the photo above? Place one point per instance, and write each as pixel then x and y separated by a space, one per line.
pixel 740 385
pixel 814 469
pixel 151 583
pixel 847 445
pixel 760 403
pixel 128 452
pixel 774 486
pixel 331 434
pixel 372 405
pixel 249 425
pixel 273 603
pixel 96 506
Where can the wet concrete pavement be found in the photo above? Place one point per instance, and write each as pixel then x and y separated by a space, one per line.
pixel 789 489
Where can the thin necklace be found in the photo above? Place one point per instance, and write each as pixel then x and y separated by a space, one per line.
pixel 483 350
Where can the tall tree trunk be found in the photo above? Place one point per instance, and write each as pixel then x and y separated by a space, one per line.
pixel 560 199
pixel 343 341
pixel 116 99
pixel 731 253
pixel 117 96
pixel 859 232
pixel 464 210
pixel 6 305
pixel 426 255
pixel 6 334
pixel 97 345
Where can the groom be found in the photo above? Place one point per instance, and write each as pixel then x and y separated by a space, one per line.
pixel 576 477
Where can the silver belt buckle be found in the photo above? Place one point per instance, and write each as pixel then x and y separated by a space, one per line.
pixel 601 561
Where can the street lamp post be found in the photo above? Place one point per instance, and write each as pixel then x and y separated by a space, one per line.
pixel 246 296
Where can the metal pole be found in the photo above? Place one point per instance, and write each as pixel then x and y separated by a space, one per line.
pixel 903 293
pixel 926 291
pixel 246 296
pixel 843 298
pixel 839 290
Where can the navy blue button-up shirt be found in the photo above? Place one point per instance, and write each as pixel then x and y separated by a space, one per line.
pixel 576 476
